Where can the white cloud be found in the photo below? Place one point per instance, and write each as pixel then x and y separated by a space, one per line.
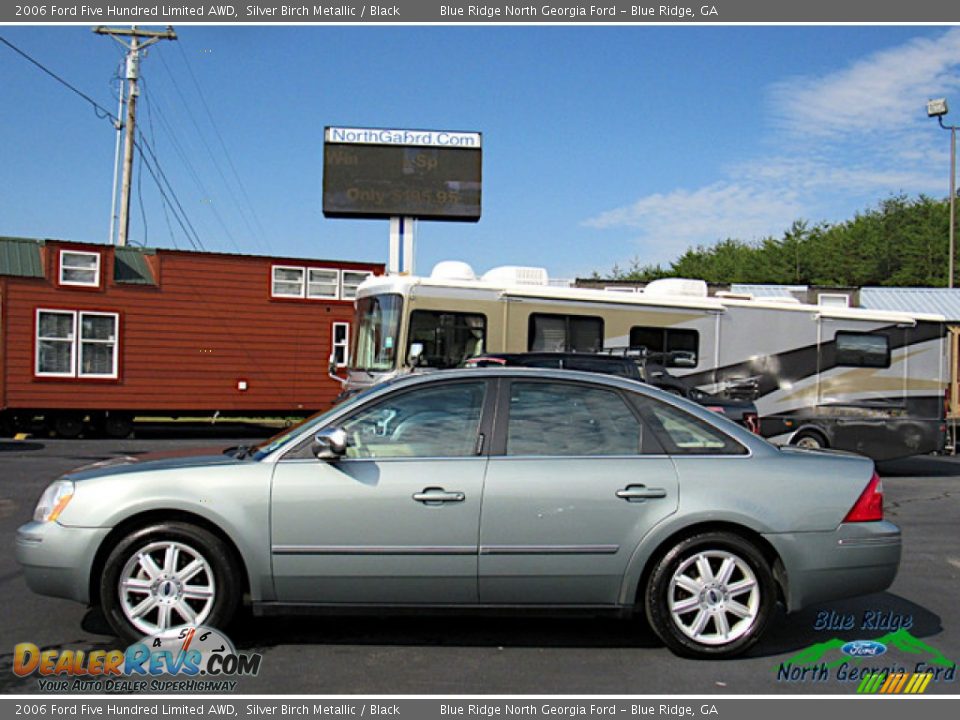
pixel 845 140
pixel 883 92
pixel 671 222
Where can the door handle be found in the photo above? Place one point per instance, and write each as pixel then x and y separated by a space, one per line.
pixel 432 495
pixel 639 493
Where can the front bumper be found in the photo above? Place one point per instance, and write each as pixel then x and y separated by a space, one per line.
pixel 57 560
pixel 855 559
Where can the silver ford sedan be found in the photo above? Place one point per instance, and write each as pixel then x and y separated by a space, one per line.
pixel 470 490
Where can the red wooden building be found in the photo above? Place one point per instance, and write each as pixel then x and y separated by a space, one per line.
pixel 97 334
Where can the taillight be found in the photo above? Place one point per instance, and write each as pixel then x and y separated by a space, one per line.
pixel 752 422
pixel 869 506
pixel 716 409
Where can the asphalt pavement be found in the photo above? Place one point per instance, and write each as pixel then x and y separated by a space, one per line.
pixel 424 654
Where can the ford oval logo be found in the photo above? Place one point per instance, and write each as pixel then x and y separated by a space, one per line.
pixel 863 648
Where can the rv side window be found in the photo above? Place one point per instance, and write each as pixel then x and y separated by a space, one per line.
pixel 448 338
pixel 682 346
pixel 565 333
pixel 862 350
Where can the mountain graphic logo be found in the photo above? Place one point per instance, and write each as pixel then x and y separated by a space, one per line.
pixel 830 652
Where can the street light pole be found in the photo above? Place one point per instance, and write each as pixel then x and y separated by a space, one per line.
pixel 937 109
pixel 953 190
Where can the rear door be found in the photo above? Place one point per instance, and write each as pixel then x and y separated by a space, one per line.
pixel 575 481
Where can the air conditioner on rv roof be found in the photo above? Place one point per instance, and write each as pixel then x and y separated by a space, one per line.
pixel 516 275
pixel 452 270
pixel 676 286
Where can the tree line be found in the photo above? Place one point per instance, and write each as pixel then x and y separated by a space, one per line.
pixel 901 242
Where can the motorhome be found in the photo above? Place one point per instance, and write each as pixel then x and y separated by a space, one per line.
pixel 820 375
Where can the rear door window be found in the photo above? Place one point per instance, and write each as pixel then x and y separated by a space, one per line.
pixel 568 419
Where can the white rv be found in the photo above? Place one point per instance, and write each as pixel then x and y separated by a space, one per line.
pixel 846 378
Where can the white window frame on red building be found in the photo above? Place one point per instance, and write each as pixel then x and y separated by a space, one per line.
pixel 76 344
pixel 342 345
pixel 65 265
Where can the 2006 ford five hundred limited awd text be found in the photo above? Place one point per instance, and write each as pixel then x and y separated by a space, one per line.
pixel 475 489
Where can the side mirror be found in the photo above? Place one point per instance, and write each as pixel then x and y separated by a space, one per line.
pixel 332 370
pixel 329 444
pixel 416 352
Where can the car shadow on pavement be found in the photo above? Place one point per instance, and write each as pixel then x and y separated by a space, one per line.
pixel 214 431
pixel 920 466
pixel 872 616
pixel 253 633
pixel 863 618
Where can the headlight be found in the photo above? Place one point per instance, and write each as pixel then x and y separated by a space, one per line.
pixel 53 501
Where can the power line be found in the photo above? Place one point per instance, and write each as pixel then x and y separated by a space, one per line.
pixel 155 109
pixel 223 146
pixel 101 111
pixel 187 106
pixel 154 169
pixel 156 174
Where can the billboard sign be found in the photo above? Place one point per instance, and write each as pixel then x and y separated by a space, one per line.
pixel 381 172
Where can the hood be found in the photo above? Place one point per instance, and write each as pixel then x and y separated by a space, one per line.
pixel 161 460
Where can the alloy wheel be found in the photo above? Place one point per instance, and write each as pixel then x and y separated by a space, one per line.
pixel 714 597
pixel 166 584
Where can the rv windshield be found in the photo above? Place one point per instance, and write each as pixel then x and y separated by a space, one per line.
pixel 376 333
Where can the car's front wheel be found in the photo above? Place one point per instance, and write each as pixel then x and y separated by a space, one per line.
pixel 710 596
pixel 169 575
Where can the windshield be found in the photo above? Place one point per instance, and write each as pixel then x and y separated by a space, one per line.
pixel 376 333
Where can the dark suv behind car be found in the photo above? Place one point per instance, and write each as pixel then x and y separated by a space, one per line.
pixel 644 369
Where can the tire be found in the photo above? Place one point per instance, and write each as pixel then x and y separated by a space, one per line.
pixel 743 601
pixel 166 597
pixel 68 425
pixel 118 425
pixel 810 439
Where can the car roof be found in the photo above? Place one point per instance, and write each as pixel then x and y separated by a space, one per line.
pixel 506 371
pixel 550 354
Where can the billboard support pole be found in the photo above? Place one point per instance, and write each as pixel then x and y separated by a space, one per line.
pixel 402 246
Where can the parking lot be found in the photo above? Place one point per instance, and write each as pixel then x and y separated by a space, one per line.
pixel 450 655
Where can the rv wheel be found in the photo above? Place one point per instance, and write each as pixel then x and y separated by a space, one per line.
pixel 810 439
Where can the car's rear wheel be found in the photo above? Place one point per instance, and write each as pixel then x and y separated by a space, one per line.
pixel 711 595
pixel 166 576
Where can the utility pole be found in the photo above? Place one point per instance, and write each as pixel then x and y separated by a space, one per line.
pixel 132 74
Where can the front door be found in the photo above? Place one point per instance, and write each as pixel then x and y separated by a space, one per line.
pixel 396 520
pixel 581 480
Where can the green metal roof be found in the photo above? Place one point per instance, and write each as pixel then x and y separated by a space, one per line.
pixel 20 257
pixel 130 266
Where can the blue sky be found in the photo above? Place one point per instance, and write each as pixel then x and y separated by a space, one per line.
pixel 601 144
